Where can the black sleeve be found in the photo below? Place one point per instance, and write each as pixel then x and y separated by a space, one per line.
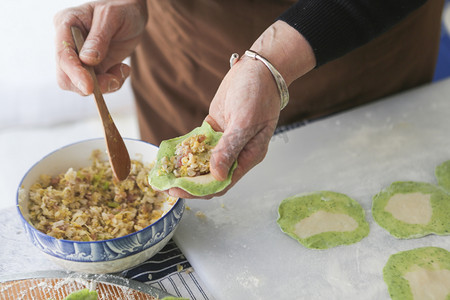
pixel 335 27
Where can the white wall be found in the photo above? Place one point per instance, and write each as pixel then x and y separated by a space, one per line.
pixel 36 116
pixel 28 90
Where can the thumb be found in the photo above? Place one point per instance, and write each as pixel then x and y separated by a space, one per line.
pixel 227 151
pixel 97 42
pixel 92 53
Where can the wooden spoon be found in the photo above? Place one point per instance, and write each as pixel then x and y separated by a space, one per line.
pixel 117 151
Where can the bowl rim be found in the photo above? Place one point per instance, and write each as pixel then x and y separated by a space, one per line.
pixel 28 224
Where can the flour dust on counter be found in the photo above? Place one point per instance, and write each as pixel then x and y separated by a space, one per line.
pixel 408 209
pixel 421 273
pixel 322 220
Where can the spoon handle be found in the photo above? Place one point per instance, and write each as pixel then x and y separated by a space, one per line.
pixel 117 151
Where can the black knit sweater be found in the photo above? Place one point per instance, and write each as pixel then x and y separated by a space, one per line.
pixel 335 27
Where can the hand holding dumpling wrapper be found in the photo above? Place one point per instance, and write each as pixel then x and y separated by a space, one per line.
pixel 163 176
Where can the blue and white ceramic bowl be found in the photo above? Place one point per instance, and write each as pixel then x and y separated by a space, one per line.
pixel 106 256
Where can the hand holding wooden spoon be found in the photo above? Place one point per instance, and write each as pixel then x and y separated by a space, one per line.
pixel 117 151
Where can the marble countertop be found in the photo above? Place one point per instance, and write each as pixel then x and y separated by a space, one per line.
pixel 18 254
pixel 19 257
pixel 237 246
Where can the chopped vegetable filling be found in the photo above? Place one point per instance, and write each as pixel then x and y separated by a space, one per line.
pixel 90 205
pixel 191 158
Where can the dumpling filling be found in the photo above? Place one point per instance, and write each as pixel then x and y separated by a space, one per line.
pixel 191 158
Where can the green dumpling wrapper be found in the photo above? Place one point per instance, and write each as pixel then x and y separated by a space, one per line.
pixel 323 206
pixel 84 294
pixel 399 267
pixel 201 185
pixel 440 210
pixel 442 173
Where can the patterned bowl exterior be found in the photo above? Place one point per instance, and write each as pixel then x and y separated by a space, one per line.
pixel 106 250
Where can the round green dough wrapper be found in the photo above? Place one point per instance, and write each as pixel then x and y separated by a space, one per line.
pixel 440 205
pixel 442 173
pixel 296 208
pixel 84 294
pixel 199 185
pixel 429 258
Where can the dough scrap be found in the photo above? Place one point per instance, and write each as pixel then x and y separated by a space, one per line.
pixel 421 273
pixel 322 220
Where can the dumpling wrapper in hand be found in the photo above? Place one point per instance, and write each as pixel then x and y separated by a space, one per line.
pixel 200 185
pixel 322 220
pixel 422 273
pixel 412 209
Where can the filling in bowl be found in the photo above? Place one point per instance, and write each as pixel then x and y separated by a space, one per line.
pixel 90 205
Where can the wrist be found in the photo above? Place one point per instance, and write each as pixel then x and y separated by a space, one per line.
pixel 287 50
pixel 279 80
pixel 265 77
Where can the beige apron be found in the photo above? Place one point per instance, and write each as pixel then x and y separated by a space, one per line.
pixel 185 53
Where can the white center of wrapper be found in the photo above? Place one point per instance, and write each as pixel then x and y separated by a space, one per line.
pixel 429 284
pixel 411 208
pixel 322 221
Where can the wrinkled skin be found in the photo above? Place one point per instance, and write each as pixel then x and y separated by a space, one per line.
pixel 114 28
pixel 246 106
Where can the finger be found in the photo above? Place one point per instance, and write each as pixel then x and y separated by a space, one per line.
pixel 246 161
pixel 219 165
pixel 71 66
pixel 97 42
pixel 237 175
pixel 242 168
pixel 114 78
pixel 65 83
pixel 252 154
pixel 210 120
pixel 67 58
pixel 228 149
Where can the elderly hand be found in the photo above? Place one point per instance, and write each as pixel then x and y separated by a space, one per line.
pixel 246 106
pixel 113 30
pixel 246 109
